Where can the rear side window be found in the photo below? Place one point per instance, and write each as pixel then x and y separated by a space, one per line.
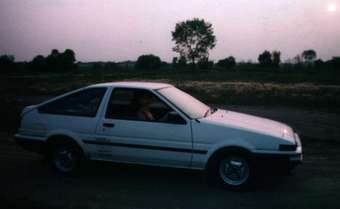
pixel 82 103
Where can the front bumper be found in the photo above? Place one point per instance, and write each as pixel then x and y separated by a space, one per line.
pixel 276 164
pixel 280 161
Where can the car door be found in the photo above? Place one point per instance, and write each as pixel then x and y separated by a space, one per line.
pixel 128 137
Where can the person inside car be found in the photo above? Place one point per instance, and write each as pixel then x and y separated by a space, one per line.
pixel 143 101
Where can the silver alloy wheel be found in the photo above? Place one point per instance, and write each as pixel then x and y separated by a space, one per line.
pixel 234 170
pixel 64 159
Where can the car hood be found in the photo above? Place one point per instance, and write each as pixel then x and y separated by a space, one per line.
pixel 251 123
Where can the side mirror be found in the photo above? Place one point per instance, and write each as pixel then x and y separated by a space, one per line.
pixel 174 117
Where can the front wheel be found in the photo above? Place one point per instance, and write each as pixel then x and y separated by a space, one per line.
pixel 234 171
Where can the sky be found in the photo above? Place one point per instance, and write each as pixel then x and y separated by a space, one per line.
pixel 113 30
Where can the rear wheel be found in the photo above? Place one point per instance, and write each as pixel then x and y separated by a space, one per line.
pixel 66 158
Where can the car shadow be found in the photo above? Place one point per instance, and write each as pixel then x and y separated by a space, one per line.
pixel 124 175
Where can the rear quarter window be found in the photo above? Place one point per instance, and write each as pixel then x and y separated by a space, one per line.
pixel 82 103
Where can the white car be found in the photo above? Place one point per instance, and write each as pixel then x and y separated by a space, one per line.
pixel 156 124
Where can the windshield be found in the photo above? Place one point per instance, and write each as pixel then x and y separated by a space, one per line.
pixel 188 104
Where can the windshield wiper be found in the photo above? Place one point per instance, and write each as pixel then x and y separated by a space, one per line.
pixel 206 113
pixel 210 111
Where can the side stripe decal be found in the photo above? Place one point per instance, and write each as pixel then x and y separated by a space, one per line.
pixel 138 146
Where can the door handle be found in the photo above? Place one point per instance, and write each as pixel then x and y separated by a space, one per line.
pixel 108 125
pixel 101 139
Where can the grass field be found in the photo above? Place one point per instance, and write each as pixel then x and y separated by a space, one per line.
pixel 311 89
pixel 302 89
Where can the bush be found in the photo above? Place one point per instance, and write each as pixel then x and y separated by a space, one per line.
pixel 111 66
pixel 149 61
pixel 205 64
pixel 227 63
pixel 179 63
pixel 38 63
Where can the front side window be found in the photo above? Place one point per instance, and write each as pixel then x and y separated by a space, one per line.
pixel 137 104
pixel 82 103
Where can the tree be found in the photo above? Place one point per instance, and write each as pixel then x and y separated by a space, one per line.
pixel 7 62
pixel 265 59
pixel 52 61
pixel 67 59
pixel 309 55
pixel 336 63
pixel 268 59
pixel 193 39
pixel 38 63
pixel 227 63
pixel 61 62
pixel 6 59
pixel 148 61
pixel 276 58
pixel 68 56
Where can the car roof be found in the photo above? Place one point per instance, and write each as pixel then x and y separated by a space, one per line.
pixel 134 84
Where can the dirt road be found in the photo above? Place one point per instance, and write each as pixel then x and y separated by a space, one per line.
pixel 28 182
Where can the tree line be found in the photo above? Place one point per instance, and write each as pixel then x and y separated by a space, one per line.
pixel 57 62
pixel 193 39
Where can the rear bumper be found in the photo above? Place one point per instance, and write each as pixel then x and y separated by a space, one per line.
pixel 31 144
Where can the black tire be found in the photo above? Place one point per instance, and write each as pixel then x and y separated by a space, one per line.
pixel 232 171
pixel 66 158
